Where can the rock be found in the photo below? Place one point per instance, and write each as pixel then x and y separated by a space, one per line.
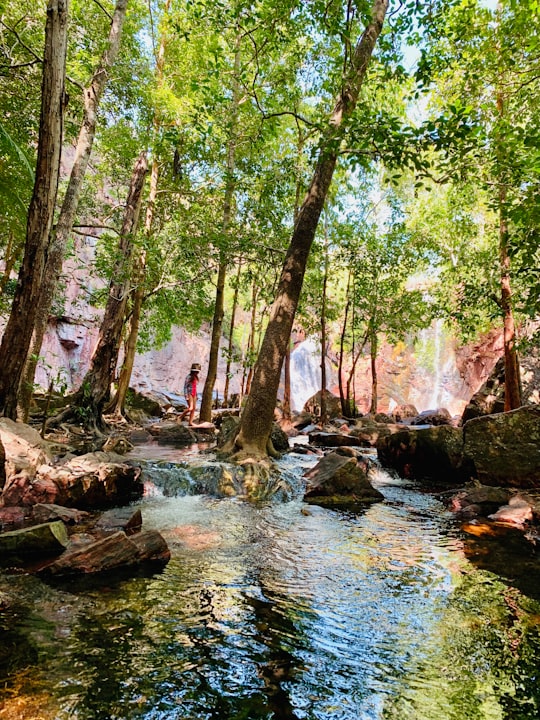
pixel 279 438
pixel 339 481
pixel 441 416
pixel 12 516
pixel 147 402
pixel 369 431
pixel 43 539
pixel 173 433
pixel 25 450
pixel 109 553
pixel 489 399
pixel 47 512
pixel 326 439
pixel 126 519
pixel 119 445
pixel 90 481
pixel 383 418
pixel 433 453
pixel 517 513
pixel 504 449
pixel 333 404
pixel 404 412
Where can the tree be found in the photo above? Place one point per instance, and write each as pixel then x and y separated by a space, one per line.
pixel 89 401
pixel 256 421
pixel 64 224
pixel 18 333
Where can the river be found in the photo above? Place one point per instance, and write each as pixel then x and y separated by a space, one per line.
pixel 281 610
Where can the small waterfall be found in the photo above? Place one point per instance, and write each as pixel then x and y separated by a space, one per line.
pixel 306 373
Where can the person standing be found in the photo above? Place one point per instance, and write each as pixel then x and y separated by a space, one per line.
pixel 190 392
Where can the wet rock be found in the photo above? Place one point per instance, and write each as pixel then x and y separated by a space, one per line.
pixel 148 403
pixel 433 453
pixel 43 512
pixel 43 539
pixel 126 519
pixel 10 516
pixel 279 438
pixel 339 481
pixel 173 433
pixel 109 553
pixel 518 512
pixel 504 449
pixel 327 439
pixel 369 431
pixel 404 413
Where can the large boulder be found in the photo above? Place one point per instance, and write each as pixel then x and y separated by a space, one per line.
pixel 504 449
pixel 440 416
pixel 368 430
pixel 93 480
pixel 433 453
pixel 333 404
pixel 340 481
pixel 173 433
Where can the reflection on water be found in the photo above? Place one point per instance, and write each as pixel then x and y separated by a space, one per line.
pixel 281 611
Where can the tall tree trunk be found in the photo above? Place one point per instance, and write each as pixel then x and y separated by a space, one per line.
pixel 345 403
pixel 137 291
pixel 256 421
pixel 252 334
pixel 324 410
pixel 18 333
pixel 10 258
pixel 205 412
pixel 55 257
pixel 512 375
pixel 231 335
pixel 373 350
pixel 93 394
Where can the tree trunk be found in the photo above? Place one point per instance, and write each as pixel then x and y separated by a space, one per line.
pixel 373 358
pixel 512 375
pixel 93 394
pixel 345 402
pixel 257 418
pixel 324 411
pixel 18 333
pixel 205 413
pixel 55 257
pixel 231 336
pixel 251 340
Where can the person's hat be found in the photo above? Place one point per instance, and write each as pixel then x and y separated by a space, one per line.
pixel 195 367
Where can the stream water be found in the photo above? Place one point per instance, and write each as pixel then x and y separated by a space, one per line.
pixel 282 611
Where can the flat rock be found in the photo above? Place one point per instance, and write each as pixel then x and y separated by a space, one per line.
pixel 126 519
pixel 43 539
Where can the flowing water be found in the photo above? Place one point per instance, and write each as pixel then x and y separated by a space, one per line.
pixel 281 611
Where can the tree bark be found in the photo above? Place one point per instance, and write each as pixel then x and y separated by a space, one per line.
pixel 324 411
pixel 373 359
pixel 94 392
pixel 257 418
pixel 18 333
pixel 58 242
pixel 231 336
pixel 345 402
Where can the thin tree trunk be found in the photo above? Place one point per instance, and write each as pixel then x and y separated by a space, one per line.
pixel 55 257
pixel 345 404
pixel 205 413
pixel 10 257
pixel 252 334
pixel 18 333
pixel 324 411
pixel 373 360
pixel 512 375
pixel 93 394
pixel 257 418
pixel 231 335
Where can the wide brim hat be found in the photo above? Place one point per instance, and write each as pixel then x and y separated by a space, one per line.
pixel 195 367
